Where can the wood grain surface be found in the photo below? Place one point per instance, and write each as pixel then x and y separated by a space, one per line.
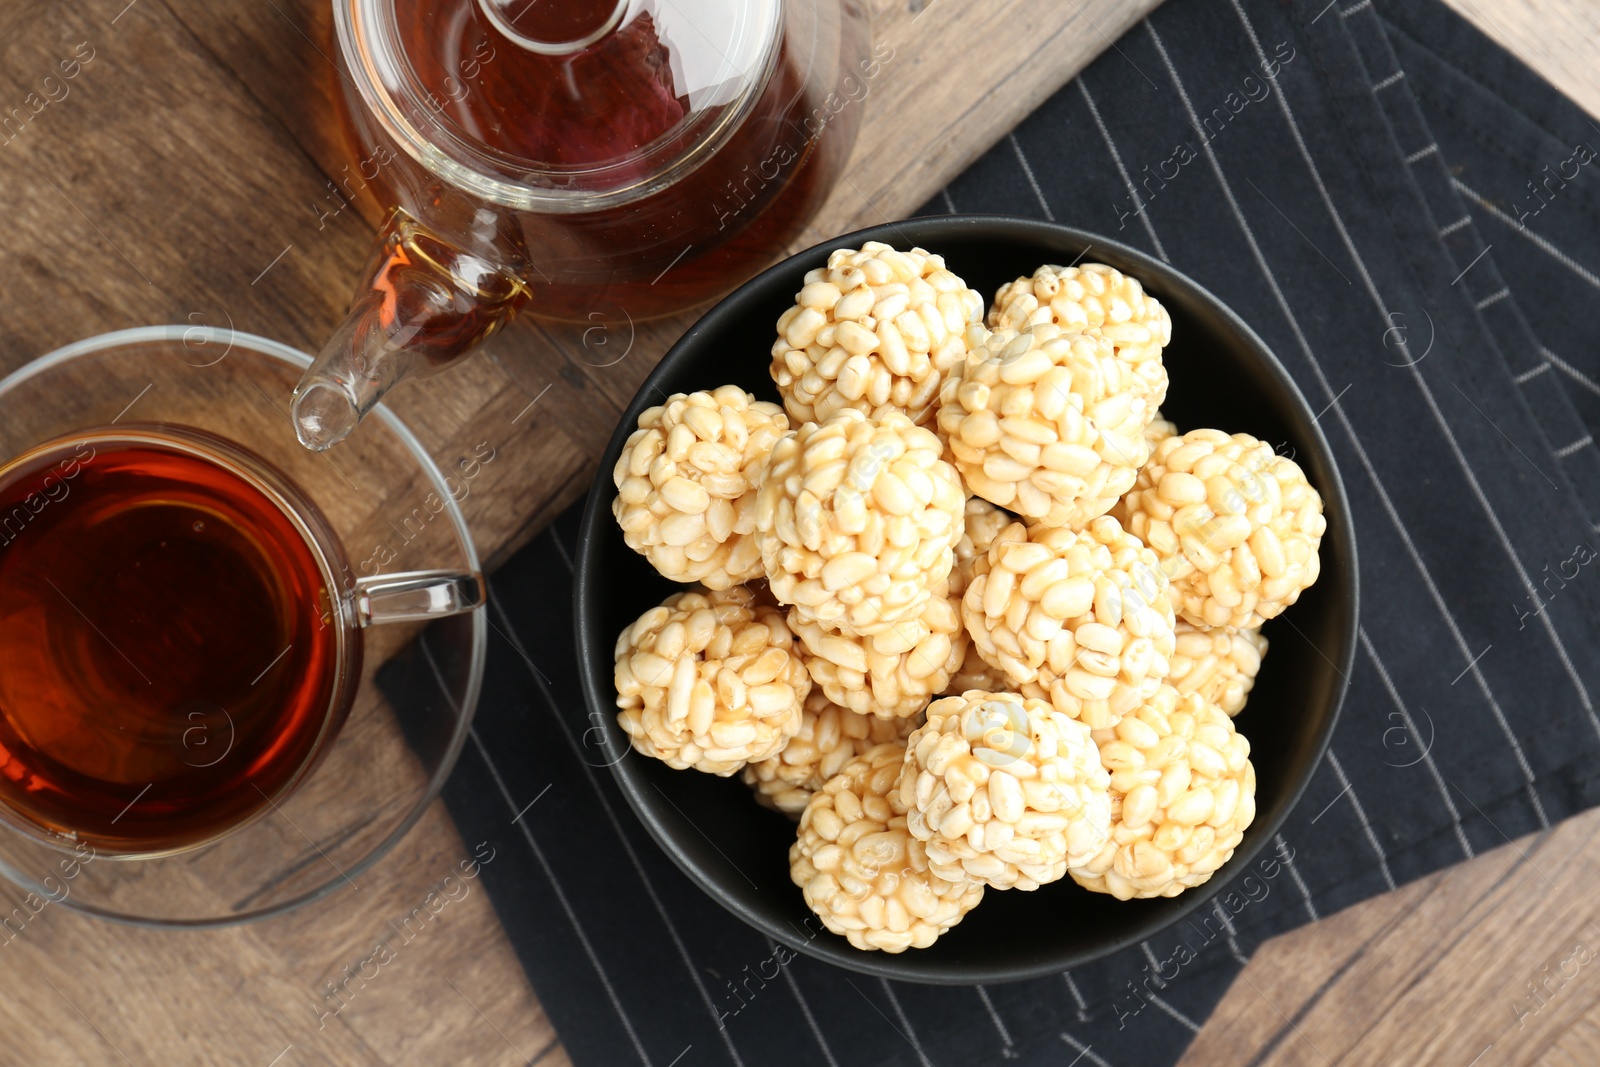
pixel 184 178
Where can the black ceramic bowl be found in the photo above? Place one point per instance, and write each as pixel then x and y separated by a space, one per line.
pixel 1223 376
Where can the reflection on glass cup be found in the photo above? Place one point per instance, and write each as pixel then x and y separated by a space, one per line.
pixel 179 636
pixel 210 664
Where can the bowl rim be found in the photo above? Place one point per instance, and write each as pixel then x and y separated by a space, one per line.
pixel 597 514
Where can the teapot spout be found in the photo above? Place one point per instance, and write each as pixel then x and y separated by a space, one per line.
pixel 326 411
pixel 423 305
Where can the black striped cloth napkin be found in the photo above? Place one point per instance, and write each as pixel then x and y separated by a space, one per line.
pixel 1409 218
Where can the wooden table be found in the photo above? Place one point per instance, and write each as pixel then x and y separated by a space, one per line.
pixel 183 179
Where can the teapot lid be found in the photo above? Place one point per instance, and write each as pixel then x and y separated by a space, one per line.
pixel 559 105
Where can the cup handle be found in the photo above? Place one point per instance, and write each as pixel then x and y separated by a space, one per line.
pixel 411 596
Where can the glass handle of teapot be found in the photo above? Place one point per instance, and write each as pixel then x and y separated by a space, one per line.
pixel 422 305
pixel 412 596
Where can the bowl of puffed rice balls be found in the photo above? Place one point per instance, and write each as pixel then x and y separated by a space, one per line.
pixel 965 599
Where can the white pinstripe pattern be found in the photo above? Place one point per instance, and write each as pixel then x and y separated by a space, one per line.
pixel 1033 181
pixel 1492 299
pixel 1116 157
pixel 538 854
pixel 1361 815
pixel 1427 754
pixel 1566 450
pixel 1085 1052
pixel 900 1013
pixel 1193 1026
pixel 994 1017
pixel 1378 87
pixel 1549 249
pixel 1529 375
pixel 561 549
pixel 949 201
pixel 1444 426
pixel 1077 997
pixel 616 824
pixel 1446 431
pixel 1294 875
pixel 1422 153
pixel 805 1009
pixel 1570 371
pixel 1155 964
pixel 1349 428
pixel 1233 933
pixel 561 897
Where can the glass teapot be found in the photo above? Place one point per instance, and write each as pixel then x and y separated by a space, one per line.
pixel 573 155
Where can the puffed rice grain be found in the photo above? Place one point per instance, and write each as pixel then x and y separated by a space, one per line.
pixel 857 520
pixel 1004 790
pixel 983 524
pixel 710 681
pixel 1237 527
pixel 1047 424
pixel 1159 430
pixel 1182 794
pixel 1220 664
pixel 860 869
pixel 1085 616
pixel 1093 298
pixel 977 673
pixel 892 674
pixel 875 330
pixel 686 484
pixel 829 737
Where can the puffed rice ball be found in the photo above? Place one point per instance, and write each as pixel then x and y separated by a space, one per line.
pixel 1183 791
pixel 857 520
pixel 983 524
pixel 876 330
pixel 1047 424
pixel 862 872
pixel 892 674
pixel 1093 298
pixel 686 484
pixel 829 737
pixel 1085 616
pixel 1005 790
pixel 710 681
pixel 1221 665
pixel 1236 526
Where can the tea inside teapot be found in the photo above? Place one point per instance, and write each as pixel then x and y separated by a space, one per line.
pixel 633 158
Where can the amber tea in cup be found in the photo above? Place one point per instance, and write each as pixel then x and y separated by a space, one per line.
pixel 207 712
pixel 172 651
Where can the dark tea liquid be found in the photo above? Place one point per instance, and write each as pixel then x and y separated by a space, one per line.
pixel 672 250
pixel 165 666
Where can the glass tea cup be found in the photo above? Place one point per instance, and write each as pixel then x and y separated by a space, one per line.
pixel 578 159
pixel 202 720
